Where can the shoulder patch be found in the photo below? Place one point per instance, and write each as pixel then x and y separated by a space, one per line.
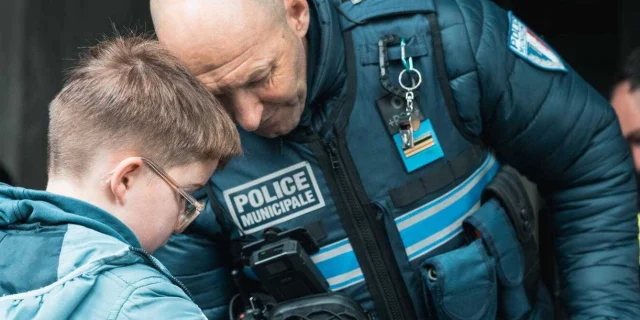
pixel 526 44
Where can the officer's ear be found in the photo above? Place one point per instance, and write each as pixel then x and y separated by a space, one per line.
pixel 124 176
pixel 297 15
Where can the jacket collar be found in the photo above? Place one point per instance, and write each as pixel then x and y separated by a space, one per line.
pixel 326 53
pixel 25 206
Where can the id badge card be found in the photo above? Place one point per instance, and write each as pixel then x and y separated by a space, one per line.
pixel 426 148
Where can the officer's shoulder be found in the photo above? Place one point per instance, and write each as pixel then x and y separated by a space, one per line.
pixel 452 12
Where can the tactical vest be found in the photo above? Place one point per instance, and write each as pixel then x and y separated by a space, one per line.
pixel 378 219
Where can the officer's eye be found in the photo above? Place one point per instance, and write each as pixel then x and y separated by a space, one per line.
pixel 261 82
pixel 634 140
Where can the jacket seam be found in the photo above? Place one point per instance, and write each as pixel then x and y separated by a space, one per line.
pixel 111 275
pixel 572 130
pixel 474 52
pixel 481 29
pixel 512 70
pixel 587 147
pixel 533 119
pixel 134 289
pixel 464 74
pixel 466 27
pixel 133 284
pixel 84 270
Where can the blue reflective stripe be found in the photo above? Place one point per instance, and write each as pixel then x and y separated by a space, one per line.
pixel 435 244
pixel 421 230
pixel 435 223
pixel 489 163
pixel 338 265
pixel 456 231
pixel 332 246
pixel 342 285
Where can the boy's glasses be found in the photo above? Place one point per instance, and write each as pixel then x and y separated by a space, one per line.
pixel 192 207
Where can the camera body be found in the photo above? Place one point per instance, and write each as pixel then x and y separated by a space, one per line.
pixel 282 263
pixel 286 270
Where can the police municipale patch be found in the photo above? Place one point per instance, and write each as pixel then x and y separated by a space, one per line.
pixel 526 44
pixel 275 198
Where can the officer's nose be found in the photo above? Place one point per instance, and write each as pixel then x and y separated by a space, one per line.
pixel 247 110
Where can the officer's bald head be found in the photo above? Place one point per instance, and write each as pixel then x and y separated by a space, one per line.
pixel 274 6
pixel 185 15
pixel 225 13
pixel 251 53
pixel 185 24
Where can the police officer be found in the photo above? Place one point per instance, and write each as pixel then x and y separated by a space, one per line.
pixel 377 125
pixel 625 100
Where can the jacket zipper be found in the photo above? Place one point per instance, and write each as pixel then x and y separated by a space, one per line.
pixel 366 233
pixel 147 257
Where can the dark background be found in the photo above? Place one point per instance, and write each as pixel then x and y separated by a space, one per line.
pixel 39 39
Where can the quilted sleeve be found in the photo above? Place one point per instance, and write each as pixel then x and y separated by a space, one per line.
pixel 543 119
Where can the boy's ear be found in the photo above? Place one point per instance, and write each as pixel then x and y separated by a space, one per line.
pixel 125 175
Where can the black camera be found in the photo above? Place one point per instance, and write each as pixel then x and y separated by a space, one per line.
pixel 282 264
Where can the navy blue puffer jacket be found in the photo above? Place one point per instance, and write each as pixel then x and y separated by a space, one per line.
pixel 503 95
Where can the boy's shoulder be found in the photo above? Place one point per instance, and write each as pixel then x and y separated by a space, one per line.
pixel 135 273
pixel 143 291
pixel 116 261
pixel 104 278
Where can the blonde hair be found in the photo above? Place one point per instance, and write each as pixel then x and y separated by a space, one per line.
pixel 129 93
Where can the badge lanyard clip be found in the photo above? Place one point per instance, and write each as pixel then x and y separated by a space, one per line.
pixel 405 123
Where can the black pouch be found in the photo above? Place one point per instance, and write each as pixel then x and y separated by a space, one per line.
pixel 461 284
pixel 319 307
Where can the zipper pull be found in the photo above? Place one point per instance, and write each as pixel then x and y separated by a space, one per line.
pixel 380 211
pixel 332 150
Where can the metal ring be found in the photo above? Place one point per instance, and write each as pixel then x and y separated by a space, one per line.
pixel 431 274
pixel 414 86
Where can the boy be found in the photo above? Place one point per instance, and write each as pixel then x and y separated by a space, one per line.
pixel 131 135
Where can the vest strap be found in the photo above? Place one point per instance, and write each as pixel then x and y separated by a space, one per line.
pixel 442 174
pixel 443 78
